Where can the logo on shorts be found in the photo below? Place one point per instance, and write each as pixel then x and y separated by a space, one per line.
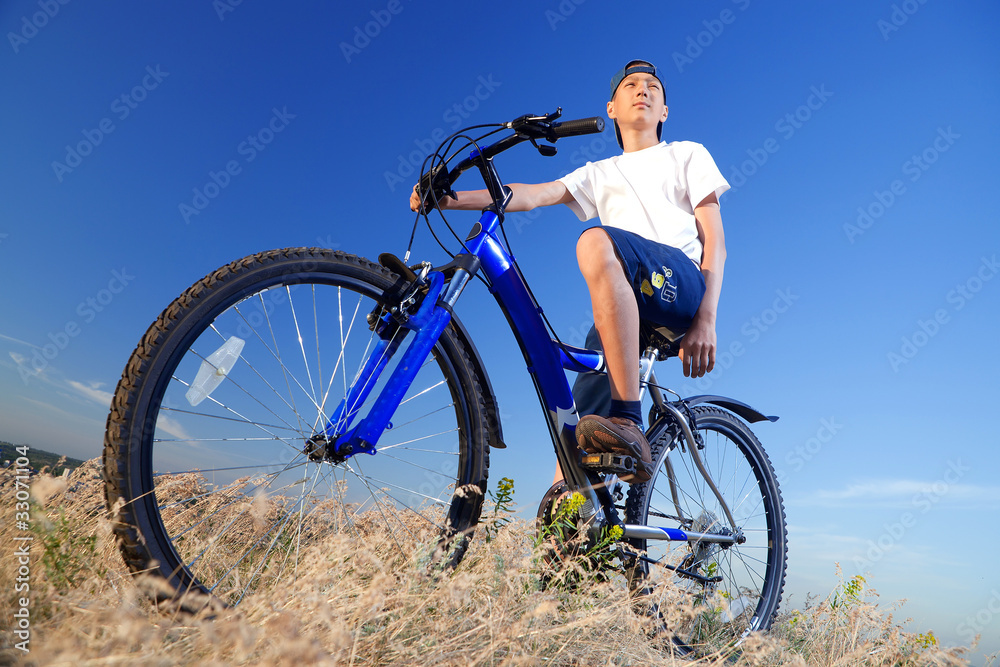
pixel 645 288
pixel 669 290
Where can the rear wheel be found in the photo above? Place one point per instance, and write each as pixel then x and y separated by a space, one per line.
pixel 212 442
pixel 724 592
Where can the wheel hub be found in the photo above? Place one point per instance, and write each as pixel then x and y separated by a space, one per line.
pixel 318 448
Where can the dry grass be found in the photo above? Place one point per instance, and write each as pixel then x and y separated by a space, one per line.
pixel 374 604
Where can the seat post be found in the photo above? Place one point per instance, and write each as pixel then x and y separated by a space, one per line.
pixel 646 360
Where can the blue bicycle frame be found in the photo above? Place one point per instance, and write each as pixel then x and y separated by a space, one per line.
pixel 546 361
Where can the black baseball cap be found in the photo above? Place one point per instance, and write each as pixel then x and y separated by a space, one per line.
pixel 634 67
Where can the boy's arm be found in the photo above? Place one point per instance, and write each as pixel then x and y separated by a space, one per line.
pixel 698 345
pixel 527 196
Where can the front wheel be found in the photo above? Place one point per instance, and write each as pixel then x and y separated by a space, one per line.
pixel 214 457
pixel 723 592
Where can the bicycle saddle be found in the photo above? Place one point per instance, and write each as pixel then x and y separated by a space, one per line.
pixel 663 339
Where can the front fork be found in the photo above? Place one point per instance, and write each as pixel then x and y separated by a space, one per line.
pixel 340 439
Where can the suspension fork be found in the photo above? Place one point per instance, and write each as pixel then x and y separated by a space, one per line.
pixel 429 322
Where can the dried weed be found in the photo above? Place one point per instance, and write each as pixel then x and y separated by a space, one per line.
pixel 372 602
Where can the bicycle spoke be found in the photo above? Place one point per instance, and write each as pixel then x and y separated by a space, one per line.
pixel 302 347
pixel 243 420
pixel 343 343
pixel 424 416
pixel 423 437
pixel 414 465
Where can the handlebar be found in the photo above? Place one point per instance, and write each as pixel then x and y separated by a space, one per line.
pixel 439 179
pixel 531 128
pixel 572 128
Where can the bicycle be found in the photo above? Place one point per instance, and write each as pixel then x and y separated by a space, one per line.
pixel 225 447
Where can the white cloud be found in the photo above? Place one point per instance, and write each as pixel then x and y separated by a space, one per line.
pixel 906 493
pixel 172 427
pixel 22 342
pixel 876 489
pixel 62 416
pixel 92 392
pixel 24 367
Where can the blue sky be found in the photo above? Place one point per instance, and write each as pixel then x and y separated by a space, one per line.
pixel 861 289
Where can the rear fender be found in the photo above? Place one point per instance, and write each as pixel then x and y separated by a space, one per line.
pixel 739 407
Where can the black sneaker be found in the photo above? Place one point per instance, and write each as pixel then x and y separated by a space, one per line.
pixel 596 435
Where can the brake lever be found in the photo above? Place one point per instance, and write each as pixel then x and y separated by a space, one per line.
pixel 547 118
pixel 528 119
pixel 436 182
pixel 546 150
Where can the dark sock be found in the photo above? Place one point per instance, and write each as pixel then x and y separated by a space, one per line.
pixel 627 410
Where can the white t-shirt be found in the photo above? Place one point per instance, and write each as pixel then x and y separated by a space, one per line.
pixel 652 192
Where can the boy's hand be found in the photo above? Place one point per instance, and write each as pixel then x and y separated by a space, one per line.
pixel 698 348
pixel 444 202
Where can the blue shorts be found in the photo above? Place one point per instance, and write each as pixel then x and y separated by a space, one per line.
pixel 668 286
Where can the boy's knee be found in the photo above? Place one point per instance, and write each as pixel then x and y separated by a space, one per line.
pixel 594 248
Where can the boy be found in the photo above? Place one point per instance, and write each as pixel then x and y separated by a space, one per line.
pixel 658 256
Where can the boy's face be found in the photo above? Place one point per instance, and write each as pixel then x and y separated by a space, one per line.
pixel 638 102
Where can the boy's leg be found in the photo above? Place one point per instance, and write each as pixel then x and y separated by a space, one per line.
pixel 664 287
pixel 616 316
pixel 591 391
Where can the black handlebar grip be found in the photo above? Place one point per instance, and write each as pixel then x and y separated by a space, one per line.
pixel 572 128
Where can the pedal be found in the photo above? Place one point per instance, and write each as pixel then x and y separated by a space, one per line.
pixel 609 463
